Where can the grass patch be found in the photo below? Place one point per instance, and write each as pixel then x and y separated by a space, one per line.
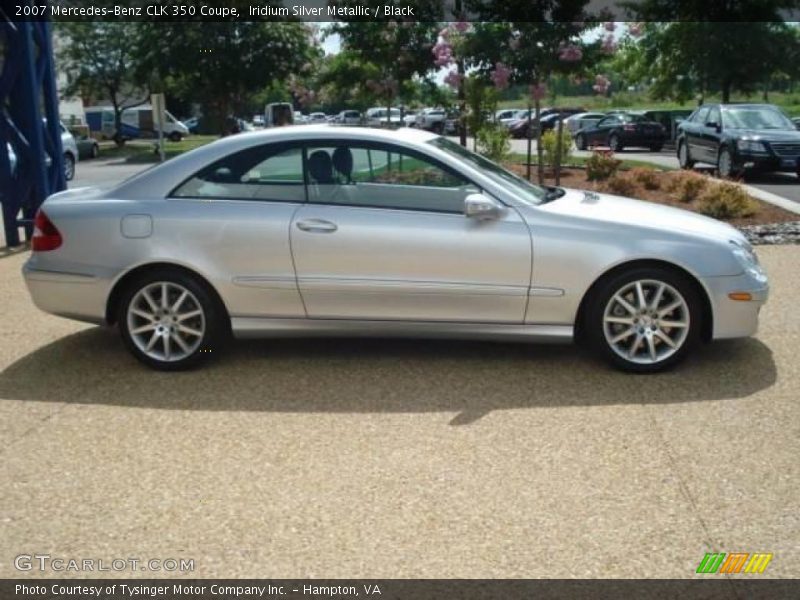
pixel 143 151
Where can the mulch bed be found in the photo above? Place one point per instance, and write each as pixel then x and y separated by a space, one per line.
pixel 576 179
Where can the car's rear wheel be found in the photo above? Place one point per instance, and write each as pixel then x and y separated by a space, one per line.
pixel 614 143
pixel 684 159
pixel 175 137
pixel 95 151
pixel 169 320
pixel 644 320
pixel 725 166
pixel 580 142
pixel 69 166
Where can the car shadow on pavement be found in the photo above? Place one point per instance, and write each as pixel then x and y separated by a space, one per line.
pixel 376 375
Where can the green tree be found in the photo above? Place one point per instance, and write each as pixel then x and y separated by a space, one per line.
pixel 100 59
pixel 223 65
pixel 392 54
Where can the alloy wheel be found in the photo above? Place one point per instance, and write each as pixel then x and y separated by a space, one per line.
pixel 166 321
pixel 69 167
pixel 646 321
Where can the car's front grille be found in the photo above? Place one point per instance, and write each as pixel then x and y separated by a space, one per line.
pixel 790 149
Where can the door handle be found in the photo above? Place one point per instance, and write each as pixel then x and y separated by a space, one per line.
pixel 316 226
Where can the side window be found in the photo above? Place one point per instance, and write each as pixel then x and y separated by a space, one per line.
pixel 379 176
pixel 713 116
pixel 700 116
pixel 608 121
pixel 263 173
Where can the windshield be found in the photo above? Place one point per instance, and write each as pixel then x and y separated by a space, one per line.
pixel 755 117
pixel 524 190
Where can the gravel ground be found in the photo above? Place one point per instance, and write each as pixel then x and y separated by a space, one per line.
pixel 398 458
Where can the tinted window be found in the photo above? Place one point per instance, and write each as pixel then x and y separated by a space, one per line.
pixel 608 121
pixel 379 176
pixel 263 173
pixel 755 117
pixel 700 116
pixel 713 115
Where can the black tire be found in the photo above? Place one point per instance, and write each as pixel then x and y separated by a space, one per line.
pixel 725 165
pixel 593 326
pixel 614 143
pixel 684 158
pixel 95 151
pixel 580 142
pixel 174 137
pixel 214 317
pixel 69 166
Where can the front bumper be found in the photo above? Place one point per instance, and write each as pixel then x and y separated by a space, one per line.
pixel 767 162
pixel 736 318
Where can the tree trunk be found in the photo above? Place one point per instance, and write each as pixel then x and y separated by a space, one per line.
pixel 726 91
pixel 539 152
pixel 462 106
pixel 557 165
pixel 528 132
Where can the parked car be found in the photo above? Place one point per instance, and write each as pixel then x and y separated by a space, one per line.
pixel 88 147
pixel 378 117
pixel 739 138
pixel 549 119
pixel 137 122
pixel 620 130
pixel 349 117
pixel 316 117
pixel 410 118
pixel 68 146
pixel 192 124
pixel 507 116
pixel 432 119
pixel 581 120
pixel 258 121
pixel 366 231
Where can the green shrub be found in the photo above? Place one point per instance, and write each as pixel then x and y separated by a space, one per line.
pixel 726 201
pixel 622 184
pixel 493 142
pixel 549 143
pixel 646 177
pixel 687 185
pixel 601 166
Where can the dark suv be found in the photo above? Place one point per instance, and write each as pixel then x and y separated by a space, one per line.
pixel 739 138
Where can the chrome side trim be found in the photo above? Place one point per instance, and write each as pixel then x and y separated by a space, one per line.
pixel 334 284
pixel 256 327
pixel 57 276
pixel 546 291
pixel 266 282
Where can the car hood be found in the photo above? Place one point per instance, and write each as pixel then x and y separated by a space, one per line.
pixel 637 213
pixel 770 135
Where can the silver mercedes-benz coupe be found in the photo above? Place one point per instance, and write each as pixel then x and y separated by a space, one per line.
pixel 352 231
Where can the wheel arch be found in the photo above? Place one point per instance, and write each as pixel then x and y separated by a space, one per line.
pixel 118 288
pixel 707 310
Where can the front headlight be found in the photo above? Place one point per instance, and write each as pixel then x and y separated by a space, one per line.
pixel 747 258
pixel 751 146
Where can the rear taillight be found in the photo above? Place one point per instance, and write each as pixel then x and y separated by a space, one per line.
pixel 45 235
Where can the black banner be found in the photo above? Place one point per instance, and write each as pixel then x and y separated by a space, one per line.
pixel 711 588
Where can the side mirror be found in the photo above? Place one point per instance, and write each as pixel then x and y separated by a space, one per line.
pixel 478 206
pixel 713 125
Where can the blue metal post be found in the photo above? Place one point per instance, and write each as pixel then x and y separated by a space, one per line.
pixel 30 123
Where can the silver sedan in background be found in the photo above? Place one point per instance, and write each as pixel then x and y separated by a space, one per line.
pixel 350 231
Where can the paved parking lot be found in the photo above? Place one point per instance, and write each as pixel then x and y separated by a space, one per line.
pixel 376 458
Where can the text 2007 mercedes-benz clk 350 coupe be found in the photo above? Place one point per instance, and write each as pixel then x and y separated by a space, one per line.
pixel 351 231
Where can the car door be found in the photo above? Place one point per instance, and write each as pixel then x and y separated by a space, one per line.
pixel 599 133
pixel 693 132
pixel 384 236
pixel 709 135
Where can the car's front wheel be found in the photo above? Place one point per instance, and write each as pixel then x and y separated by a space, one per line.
pixel 725 165
pixel 614 143
pixel 169 320
pixel 644 320
pixel 69 167
pixel 684 159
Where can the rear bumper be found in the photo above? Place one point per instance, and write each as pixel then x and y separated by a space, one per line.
pixel 736 318
pixel 77 296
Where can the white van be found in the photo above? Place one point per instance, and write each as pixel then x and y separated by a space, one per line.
pixel 137 122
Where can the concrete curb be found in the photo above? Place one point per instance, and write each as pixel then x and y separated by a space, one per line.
pixel 771 198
